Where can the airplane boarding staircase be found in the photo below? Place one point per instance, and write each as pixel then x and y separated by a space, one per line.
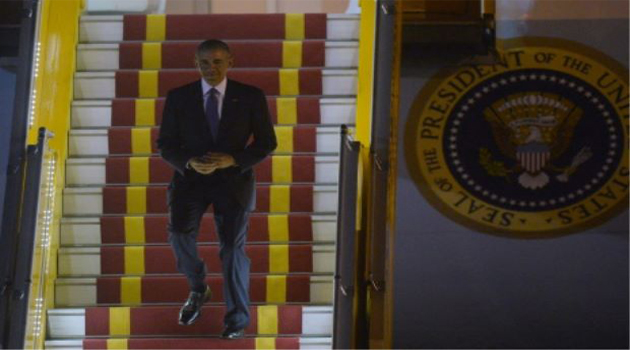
pixel 118 287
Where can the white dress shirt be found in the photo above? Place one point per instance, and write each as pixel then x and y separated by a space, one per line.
pixel 206 93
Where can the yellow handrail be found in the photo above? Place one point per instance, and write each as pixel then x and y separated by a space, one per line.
pixel 58 37
pixel 41 260
pixel 367 38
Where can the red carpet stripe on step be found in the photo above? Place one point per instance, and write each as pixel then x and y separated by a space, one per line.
pixel 97 321
pixel 301 198
pixel 162 320
pixel 115 201
pixel 225 26
pixel 262 199
pixel 300 228
pixel 134 27
pixel 155 134
pixel 117 170
pixel 314 53
pixel 249 54
pixel 108 290
pixel 311 82
pixel 266 79
pixel 298 288
pixel 289 320
pixel 160 259
pixel 124 113
pixel 119 139
pixel 159 170
pixel 308 110
pixel 305 139
pixel 130 56
pixel 315 25
pixel 113 229
pixel 303 169
pixel 267 54
pixel 201 27
pixel 175 289
pixel 246 343
pixel 159 108
pixel 204 343
pixel 127 83
pixel 264 171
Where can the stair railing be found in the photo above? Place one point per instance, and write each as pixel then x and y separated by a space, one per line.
pixel 21 61
pixel 32 247
pixel 344 281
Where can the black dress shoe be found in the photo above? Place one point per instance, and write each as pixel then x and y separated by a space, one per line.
pixel 233 333
pixel 192 308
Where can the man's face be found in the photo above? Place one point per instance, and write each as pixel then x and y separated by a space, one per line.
pixel 213 65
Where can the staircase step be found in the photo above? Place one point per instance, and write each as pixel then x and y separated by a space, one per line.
pixel 93 201
pixel 142 141
pixel 125 83
pixel 148 112
pixel 248 54
pixel 226 26
pixel 305 228
pixel 154 170
pixel 162 321
pixel 140 260
pixel 132 291
pixel 194 343
pixel 102 29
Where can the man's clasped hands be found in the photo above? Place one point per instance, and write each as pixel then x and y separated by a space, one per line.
pixel 210 162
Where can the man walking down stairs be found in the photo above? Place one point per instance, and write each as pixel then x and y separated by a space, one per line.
pixel 118 285
pixel 214 167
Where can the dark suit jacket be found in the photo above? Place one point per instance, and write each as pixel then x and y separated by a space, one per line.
pixel 245 132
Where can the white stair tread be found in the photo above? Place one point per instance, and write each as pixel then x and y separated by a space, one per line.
pixel 91 171
pixel 64 344
pixel 95 142
pixel 81 292
pixel 316 343
pixel 305 343
pixel 79 231
pixel 98 113
pixel 101 85
pixel 86 262
pixel 104 57
pixel 102 29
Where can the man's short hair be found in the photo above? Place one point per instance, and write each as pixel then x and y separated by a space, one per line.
pixel 211 45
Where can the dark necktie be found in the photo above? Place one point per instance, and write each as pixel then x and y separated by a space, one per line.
pixel 212 113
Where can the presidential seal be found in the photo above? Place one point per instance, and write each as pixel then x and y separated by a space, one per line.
pixel 532 146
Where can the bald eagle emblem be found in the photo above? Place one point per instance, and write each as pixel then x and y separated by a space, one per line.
pixel 534 130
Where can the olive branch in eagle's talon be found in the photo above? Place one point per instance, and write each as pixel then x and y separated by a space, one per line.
pixel 492 167
pixel 583 155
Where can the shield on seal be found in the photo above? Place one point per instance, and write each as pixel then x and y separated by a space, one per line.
pixel 533 156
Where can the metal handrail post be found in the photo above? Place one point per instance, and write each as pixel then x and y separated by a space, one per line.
pixel 19 303
pixel 345 252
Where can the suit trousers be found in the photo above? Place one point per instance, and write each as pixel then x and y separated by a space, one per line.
pixel 187 203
